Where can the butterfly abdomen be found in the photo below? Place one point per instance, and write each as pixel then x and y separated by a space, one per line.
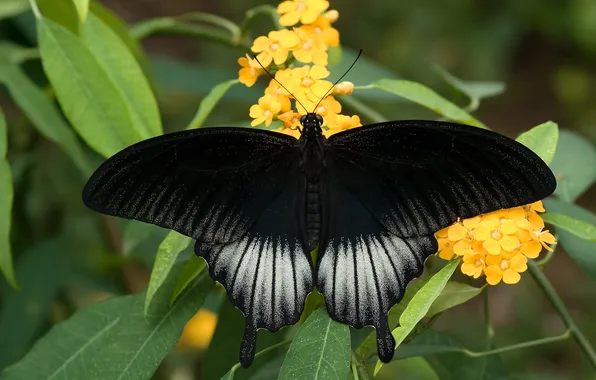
pixel 313 213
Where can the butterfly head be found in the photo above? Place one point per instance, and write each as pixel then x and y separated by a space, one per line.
pixel 311 124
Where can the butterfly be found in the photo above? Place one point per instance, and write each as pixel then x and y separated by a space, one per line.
pixel 370 198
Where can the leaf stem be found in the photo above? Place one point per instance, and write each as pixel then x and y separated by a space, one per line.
pixel 490 332
pixel 517 346
pixel 262 352
pixel 256 11
pixel 551 294
pixel 362 109
pixel 35 8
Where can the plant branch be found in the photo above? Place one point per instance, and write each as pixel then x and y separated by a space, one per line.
pixel 557 302
pixel 517 346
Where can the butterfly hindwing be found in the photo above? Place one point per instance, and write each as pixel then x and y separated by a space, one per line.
pixel 267 272
pixel 389 187
pixel 362 268
pixel 210 184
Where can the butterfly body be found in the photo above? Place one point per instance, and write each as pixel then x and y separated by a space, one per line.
pixel 370 198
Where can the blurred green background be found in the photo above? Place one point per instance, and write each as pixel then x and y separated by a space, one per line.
pixel 543 51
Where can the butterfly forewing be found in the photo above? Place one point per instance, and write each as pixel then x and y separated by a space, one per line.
pixel 389 187
pixel 209 184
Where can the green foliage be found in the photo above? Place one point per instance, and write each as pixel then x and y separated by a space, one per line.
pixel 87 84
pixel 420 305
pixel 112 339
pixel 320 350
pixel 6 197
pixel 542 139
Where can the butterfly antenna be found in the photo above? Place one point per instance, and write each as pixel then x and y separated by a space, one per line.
pixel 337 81
pixel 272 77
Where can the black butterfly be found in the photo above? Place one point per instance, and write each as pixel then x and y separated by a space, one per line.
pixel 371 198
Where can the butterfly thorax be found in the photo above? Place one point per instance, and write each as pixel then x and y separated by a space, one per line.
pixel 312 162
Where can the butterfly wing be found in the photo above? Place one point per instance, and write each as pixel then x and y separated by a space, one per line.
pixel 239 193
pixel 389 187
pixel 209 184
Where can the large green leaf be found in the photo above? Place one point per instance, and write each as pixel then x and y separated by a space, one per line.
pixel 25 311
pixel 88 97
pixel 44 115
pixel 209 102
pixel 320 350
pixel 542 139
pixel 10 8
pixel 454 293
pixel 191 269
pixel 119 27
pixel 82 7
pixel 125 72
pixel 579 228
pixel 167 253
pixel 426 97
pixel 421 304
pixel 62 12
pixel 574 165
pixel 113 339
pixel 580 250
pixel 6 196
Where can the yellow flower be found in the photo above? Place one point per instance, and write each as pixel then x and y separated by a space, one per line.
pixel 343 88
pixel 338 123
pixel 199 330
pixel 267 108
pixel 280 95
pixel 332 15
pixel 502 239
pixel 304 11
pixel 250 71
pixel 309 49
pixel 473 264
pixel 507 270
pixel 275 47
pixel 324 32
pixel 291 120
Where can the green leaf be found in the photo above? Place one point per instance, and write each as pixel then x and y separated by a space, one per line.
pixel 167 253
pixel 191 269
pixel 474 90
pixel 580 250
pixel 320 350
pixel 121 29
pixel 574 165
pixel 126 74
pixel 542 139
pixel 82 7
pixel 113 339
pixel 44 115
pixel 209 102
pixel 421 304
pixel 86 93
pixel 135 233
pixel 62 12
pixel 368 347
pixel 454 293
pixel 426 97
pixel 579 228
pixel 10 8
pixel 27 310
pixel 12 54
pixel 6 197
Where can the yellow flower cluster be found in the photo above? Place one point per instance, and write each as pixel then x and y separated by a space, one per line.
pixel 307 43
pixel 497 244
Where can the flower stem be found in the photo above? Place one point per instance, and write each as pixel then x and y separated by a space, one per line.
pixel 359 371
pixel 490 332
pixel 557 302
pixel 362 109
pixel 531 343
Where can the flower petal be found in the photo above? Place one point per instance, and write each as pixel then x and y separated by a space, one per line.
pixel 531 249
pixel 518 263
pixel 509 243
pixel 457 232
pixel 511 277
pixel 492 246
